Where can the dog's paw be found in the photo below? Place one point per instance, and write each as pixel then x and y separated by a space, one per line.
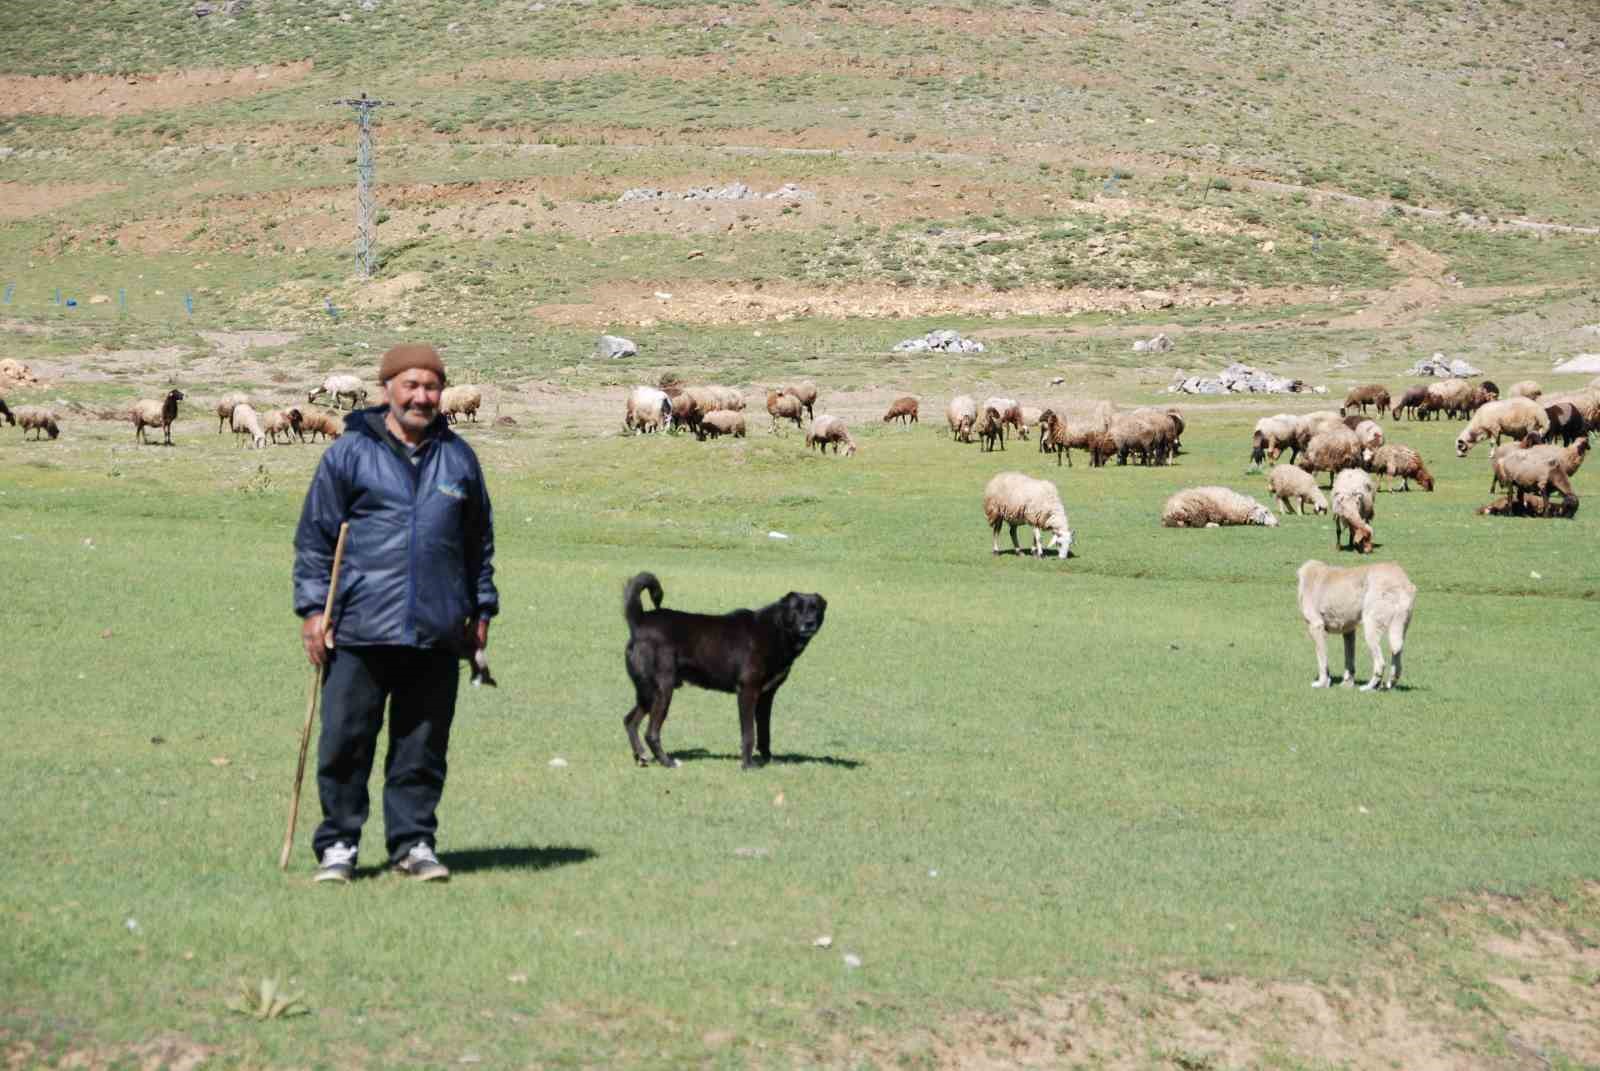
pixel 1321 682
pixel 1370 686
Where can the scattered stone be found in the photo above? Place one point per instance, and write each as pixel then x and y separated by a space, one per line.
pixel 614 346
pixel 99 299
pixel 1239 379
pixel 733 191
pixel 1583 362
pixel 752 853
pixel 695 254
pixel 1437 365
pixel 505 422
pixel 558 762
pixel 851 960
pixel 942 341
pixel 825 941
pixel 1058 380
pixel 1160 344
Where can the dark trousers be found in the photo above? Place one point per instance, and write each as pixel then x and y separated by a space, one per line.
pixel 419 686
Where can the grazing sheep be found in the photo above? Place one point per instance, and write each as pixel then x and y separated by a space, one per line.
pixel 1516 417
pixel 1529 506
pixel 1010 411
pixel 1570 458
pixel 1525 388
pixel 1061 438
pixel 1586 402
pixel 721 422
pixel 649 409
pixel 1331 450
pixel 784 406
pixel 991 429
pixel 1370 394
pixel 724 397
pixel 1377 597
pixel 1566 423
pixel 1522 469
pixel 1214 507
pixel 1410 403
pixel 5 412
pixel 1175 415
pixel 830 429
pixel 962 416
pixel 1146 432
pixel 1454 397
pixel 285 422
pixel 247 422
pixel 461 401
pixel 1291 485
pixel 225 406
pixel 903 410
pixel 1272 434
pixel 1394 459
pixel 805 392
pixel 315 421
pixel 685 413
pixel 340 386
pixel 1353 506
pixel 147 413
pixel 1013 499
pixel 36 419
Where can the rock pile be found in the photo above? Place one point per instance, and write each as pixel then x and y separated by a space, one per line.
pixel 1586 363
pixel 1438 366
pixel 1160 344
pixel 733 191
pixel 1240 379
pixel 942 341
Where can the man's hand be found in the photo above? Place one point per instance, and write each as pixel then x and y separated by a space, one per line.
pixel 476 633
pixel 317 639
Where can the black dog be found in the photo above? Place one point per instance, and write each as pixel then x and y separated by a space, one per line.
pixel 747 652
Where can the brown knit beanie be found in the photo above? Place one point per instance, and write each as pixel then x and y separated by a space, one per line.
pixel 409 355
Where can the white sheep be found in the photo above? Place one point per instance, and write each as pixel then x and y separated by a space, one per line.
pixel 1353 505
pixel 37 419
pixel 1525 388
pixel 149 413
pixel 1294 488
pixel 1330 450
pixel 225 406
pixel 247 422
pixel 462 400
pixel 830 429
pixel 1272 434
pixel 340 385
pixel 648 410
pixel 1213 507
pixel 1012 498
pixel 962 415
pixel 1516 417
pixel 1369 433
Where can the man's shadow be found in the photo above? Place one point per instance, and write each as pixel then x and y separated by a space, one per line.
pixel 696 754
pixel 509 858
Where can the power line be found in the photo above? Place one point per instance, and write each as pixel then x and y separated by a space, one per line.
pixel 366 171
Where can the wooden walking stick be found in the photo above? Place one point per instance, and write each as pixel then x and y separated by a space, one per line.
pixel 311 704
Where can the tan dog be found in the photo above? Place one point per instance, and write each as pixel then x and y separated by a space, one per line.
pixel 1377 597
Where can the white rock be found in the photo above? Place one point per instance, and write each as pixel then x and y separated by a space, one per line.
pixel 776 535
pixel 852 960
pixel 825 941
pixel 558 762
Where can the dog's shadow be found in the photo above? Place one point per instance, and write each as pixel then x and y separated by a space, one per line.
pixel 513 858
pixel 698 754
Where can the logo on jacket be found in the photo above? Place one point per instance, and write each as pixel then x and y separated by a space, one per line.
pixel 454 490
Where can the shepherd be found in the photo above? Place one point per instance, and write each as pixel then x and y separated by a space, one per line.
pixel 417 592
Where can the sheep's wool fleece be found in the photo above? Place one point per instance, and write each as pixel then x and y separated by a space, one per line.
pixel 409 355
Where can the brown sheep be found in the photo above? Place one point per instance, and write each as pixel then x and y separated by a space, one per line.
pixel 36 419
pixel 962 415
pixel 285 422
pixel 827 429
pixel 316 421
pixel 1146 432
pixel 721 422
pixel 783 406
pixel 1523 469
pixel 1393 459
pixel 991 428
pixel 1566 423
pixel 1529 506
pixel 1332 451
pixel 225 406
pixel 1370 394
pixel 1410 403
pixel 805 392
pixel 903 410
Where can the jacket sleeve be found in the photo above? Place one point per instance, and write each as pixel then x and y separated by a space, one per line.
pixel 326 507
pixel 480 551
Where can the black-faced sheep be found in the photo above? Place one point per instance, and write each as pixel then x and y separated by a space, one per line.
pixel 721 422
pixel 648 410
pixel 285 422
pixel 1294 488
pixel 461 401
pixel 148 413
pixel 903 410
pixel 1214 507
pixel 829 429
pixel 1411 402
pixel 784 406
pixel 225 406
pixel 991 429
pixel 1363 396
pixel 1353 506
pixel 1013 499
pixel 962 416
pixel 805 392
pixel 1516 417
pixel 38 420
pixel 340 386
pixel 1395 459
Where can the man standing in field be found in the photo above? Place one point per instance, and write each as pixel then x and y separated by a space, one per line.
pixel 415 590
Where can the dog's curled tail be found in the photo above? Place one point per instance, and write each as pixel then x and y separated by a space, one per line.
pixel 632 605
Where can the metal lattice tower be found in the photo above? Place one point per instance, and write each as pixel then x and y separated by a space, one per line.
pixel 366 170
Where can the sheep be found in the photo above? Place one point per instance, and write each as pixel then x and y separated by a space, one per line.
pixel 1213 507
pixel 1175 415
pixel 225 406
pixel 462 400
pixel 1566 423
pixel 1331 450
pixel 1013 499
pixel 903 410
pixel 725 397
pixel 1272 434
pixel 1010 411
pixel 962 416
pixel 1292 486
pixel 783 406
pixel 147 413
pixel 246 422
pixel 805 392
pixel 1525 388
pixel 1369 432
pixel 649 409
pixel 720 422
pixel 1410 403
pixel 1147 432
pixel 38 420
pixel 830 429
pixel 1307 426
pixel 991 428
pixel 1361 397
pixel 1586 402
pixel 1570 458
pixel 1529 506
pixel 1516 417
pixel 685 413
pixel 5 412
pixel 1353 506
pixel 315 421
pixel 1378 597
pixel 1061 438
pixel 1394 459
pixel 1524 469
pixel 340 385
pixel 285 422
pixel 1455 397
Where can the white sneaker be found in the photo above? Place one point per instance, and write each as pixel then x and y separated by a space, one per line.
pixel 338 863
pixel 421 864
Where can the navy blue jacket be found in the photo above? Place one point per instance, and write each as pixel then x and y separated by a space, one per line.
pixel 419 559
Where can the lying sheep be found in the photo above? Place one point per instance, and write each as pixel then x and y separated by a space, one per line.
pixel 962 416
pixel 1410 403
pixel 285 422
pixel 903 410
pixel 1378 597
pixel 991 429
pixel 315 421
pixel 147 413
pixel 225 406
pixel 1013 499
pixel 1516 417
pixel 1214 507
pixel 461 401
pixel 1394 459
pixel 649 409
pixel 247 423
pixel 1361 397
pixel 340 386
pixel 783 406
pixel 38 420
pixel 721 422
pixel 1353 506
pixel 1529 506
pixel 1331 451
pixel 830 429
pixel 805 392
pixel 1291 485
pixel 1525 388
pixel 1566 423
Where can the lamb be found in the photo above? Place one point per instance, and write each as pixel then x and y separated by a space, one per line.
pixel 147 413
pixel 314 422
pixel 720 422
pixel 1010 412
pixel 285 422
pixel 1410 403
pixel 903 410
pixel 463 400
pixel 991 428
pixel 36 419
pixel 340 385
pixel 247 422
pixel 1525 388
pixel 805 392
pixel 1011 498
pixel 1516 417
pixel 1214 507
pixel 1291 485
pixel 1353 506
pixel 1361 397
pixel 1395 459
pixel 830 429
pixel 1272 434
pixel 962 416
pixel 1332 450
pixel 1566 423
pixel 225 406
pixel 783 406
pixel 649 409
pixel 1378 597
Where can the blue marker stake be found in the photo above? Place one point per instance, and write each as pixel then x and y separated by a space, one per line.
pixel 1316 242
pixel 333 312
pixel 122 298
pixel 11 288
pixel 188 304
pixel 57 299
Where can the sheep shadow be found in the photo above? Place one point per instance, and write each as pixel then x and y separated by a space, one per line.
pixel 1028 553
pixel 1376 546
pixel 514 858
pixel 697 754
